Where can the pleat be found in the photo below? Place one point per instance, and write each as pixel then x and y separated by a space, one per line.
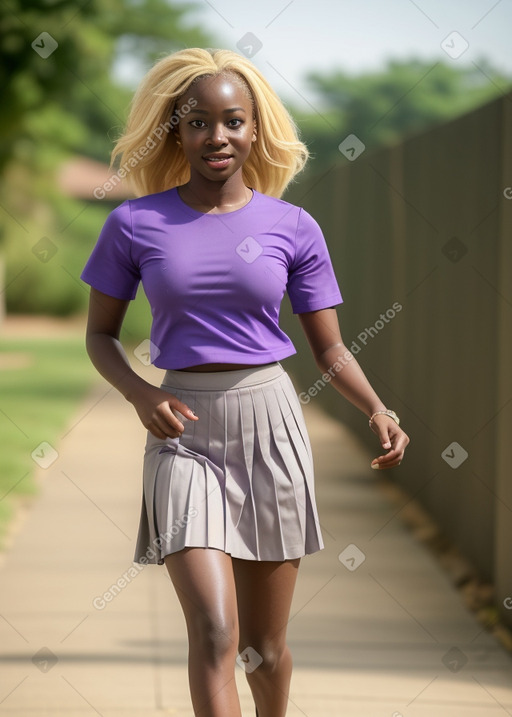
pixel 299 440
pixel 291 474
pixel 243 537
pixel 186 495
pixel 270 489
pixel 240 479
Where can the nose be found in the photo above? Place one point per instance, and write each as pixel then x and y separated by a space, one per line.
pixel 217 134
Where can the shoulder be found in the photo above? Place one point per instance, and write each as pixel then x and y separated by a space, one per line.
pixel 281 204
pixel 118 218
pixel 295 216
pixel 136 213
pixel 277 203
pixel 147 201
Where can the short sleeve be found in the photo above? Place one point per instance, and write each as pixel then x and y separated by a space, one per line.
pixel 110 268
pixel 312 283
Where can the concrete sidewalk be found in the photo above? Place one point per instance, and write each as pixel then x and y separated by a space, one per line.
pixel 385 637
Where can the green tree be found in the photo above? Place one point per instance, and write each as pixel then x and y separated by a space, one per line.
pixel 404 98
pixel 67 99
pixel 60 98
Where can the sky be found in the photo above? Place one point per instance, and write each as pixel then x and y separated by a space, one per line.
pixel 286 39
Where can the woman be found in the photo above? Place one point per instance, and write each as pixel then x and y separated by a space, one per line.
pixel 228 499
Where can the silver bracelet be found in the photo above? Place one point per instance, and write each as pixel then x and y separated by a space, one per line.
pixel 387 412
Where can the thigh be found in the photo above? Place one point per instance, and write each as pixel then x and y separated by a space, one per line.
pixel 204 582
pixel 264 597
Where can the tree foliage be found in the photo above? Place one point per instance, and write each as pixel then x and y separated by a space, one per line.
pixel 404 98
pixel 68 100
pixel 60 98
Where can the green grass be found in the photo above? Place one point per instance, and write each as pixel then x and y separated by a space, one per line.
pixel 41 383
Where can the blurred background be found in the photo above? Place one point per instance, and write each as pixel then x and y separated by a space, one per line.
pixel 405 107
pixel 366 68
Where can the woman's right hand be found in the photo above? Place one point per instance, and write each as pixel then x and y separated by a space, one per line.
pixel 155 409
pixel 154 406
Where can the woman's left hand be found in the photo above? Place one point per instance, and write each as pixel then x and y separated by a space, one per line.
pixel 391 437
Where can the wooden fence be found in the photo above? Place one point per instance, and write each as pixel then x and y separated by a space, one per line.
pixel 420 235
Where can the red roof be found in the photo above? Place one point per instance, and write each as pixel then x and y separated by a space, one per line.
pixel 84 178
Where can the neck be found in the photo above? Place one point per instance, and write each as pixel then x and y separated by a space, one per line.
pixel 203 192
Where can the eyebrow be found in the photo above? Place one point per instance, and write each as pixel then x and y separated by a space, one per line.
pixel 231 109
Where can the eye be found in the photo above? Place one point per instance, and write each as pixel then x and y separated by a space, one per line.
pixel 197 120
pixel 235 119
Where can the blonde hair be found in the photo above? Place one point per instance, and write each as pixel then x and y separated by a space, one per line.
pixel 148 150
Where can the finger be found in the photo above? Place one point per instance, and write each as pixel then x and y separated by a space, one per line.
pixel 380 464
pixel 385 466
pixel 175 412
pixel 391 454
pixel 383 434
pixel 157 432
pixel 390 457
pixel 185 410
pixel 165 428
pixel 398 441
pixel 167 419
pixel 162 429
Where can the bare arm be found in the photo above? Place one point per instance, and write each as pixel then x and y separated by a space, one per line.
pixel 153 405
pixel 332 356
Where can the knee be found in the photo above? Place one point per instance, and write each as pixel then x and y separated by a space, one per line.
pixel 215 638
pixel 268 655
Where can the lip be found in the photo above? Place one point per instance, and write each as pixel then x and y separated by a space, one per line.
pixel 217 155
pixel 218 161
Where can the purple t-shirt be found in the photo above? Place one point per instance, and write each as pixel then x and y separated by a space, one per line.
pixel 215 282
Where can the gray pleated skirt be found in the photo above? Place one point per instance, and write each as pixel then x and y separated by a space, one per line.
pixel 240 479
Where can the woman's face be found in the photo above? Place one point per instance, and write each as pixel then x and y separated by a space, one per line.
pixel 217 134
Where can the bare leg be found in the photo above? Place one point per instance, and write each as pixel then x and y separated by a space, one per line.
pixel 204 582
pixel 264 595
